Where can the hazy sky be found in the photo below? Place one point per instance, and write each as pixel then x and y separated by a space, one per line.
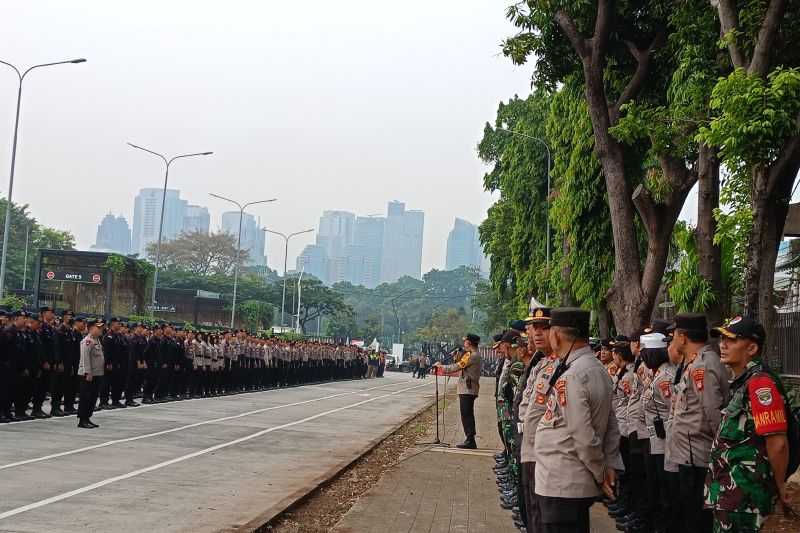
pixel 324 105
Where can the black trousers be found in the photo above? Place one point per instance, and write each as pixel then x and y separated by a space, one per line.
pixel 564 515
pixel 71 383
pixel 7 387
pixel 639 450
pixel 41 385
pixel 695 518
pixel 57 384
pixel 88 397
pixel 119 377
pixel 533 519
pixel 466 404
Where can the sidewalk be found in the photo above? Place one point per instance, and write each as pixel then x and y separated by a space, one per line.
pixel 444 490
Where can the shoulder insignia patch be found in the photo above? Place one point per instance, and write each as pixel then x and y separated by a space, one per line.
pixel 666 389
pixel 561 388
pixel 764 396
pixel 540 398
pixel 698 374
pixel 626 387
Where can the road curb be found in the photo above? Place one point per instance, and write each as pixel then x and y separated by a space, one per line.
pixel 260 523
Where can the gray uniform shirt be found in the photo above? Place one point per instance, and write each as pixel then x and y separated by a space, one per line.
pixel 641 381
pixel 534 399
pixel 657 400
pixel 577 437
pixel 470 366
pixel 92 361
pixel 696 410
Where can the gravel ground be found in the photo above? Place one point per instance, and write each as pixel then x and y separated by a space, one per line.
pixel 324 507
pixel 781 524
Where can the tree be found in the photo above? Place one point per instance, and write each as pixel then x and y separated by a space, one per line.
pixel 445 326
pixel 756 127
pixel 317 301
pixel 257 314
pixel 41 237
pixel 200 253
pixel 614 48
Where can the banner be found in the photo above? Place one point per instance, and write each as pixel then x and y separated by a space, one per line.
pixel 397 352
pixel 439 371
pixel 74 276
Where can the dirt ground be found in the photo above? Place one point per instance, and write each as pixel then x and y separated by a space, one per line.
pixel 324 507
pixel 780 523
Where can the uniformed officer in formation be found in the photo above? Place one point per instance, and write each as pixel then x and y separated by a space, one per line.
pixel 469 364
pixel 41 357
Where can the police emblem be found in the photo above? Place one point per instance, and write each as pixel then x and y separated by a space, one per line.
pixel 698 374
pixel 561 388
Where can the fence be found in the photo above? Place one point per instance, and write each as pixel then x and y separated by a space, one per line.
pixel 786 332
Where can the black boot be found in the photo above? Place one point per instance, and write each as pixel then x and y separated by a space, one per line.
pixel 468 444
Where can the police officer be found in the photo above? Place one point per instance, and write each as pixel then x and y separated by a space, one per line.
pixel 577 439
pixel 468 386
pixel 700 392
pixel 153 357
pixel 8 373
pixel 750 453
pixel 39 364
pixel 136 364
pixel 91 369
pixel 68 343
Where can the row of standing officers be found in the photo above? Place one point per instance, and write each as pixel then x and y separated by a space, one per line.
pixel 118 362
pixel 671 435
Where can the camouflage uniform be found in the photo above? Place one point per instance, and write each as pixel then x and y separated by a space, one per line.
pixel 740 488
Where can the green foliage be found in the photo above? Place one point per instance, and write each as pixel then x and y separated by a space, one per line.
pixel 15 303
pixel 115 263
pixel 41 237
pixel 200 253
pixel 753 116
pixel 444 326
pixel 256 314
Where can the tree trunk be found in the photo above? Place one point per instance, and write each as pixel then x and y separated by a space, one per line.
pixel 603 320
pixel 708 254
pixel 567 300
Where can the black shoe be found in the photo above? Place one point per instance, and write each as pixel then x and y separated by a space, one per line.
pixel 69 411
pixel 39 414
pixel 508 506
pixel 23 417
pixel 93 424
pixel 118 405
pixel 57 412
pixel 131 403
pixel 4 419
pixel 468 444
pixel 85 424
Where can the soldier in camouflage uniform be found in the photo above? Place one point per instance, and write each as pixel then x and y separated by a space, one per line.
pixel 510 344
pixel 749 455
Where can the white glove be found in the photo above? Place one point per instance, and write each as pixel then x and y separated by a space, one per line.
pixel 520 427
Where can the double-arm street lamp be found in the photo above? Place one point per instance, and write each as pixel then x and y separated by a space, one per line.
pixel 547 149
pixel 167 163
pixel 7 227
pixel 285 257
pixel 241 207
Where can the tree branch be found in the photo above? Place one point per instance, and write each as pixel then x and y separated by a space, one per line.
pixel 786 166
pixel 766 37
pixel 602 29
pixel 640 75
pixel 729 21
pixel 571 30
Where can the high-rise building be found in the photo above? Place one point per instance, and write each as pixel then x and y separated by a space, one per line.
pixel 402 243
pixel 113 235
pixel 335 235
pixel 365 255
pixel 196 218
pixel 314 261
pixel 463 246
pixel 147 217
pixel 253 236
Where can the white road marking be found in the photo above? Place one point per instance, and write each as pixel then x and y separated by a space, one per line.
pixel 181 428
pixel 108 481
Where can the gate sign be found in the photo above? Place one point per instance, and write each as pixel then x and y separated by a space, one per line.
pixel 74 276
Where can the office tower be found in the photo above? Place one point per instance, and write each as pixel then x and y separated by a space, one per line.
pixel 365 255
pixel 113 235
pixel 402 243
pixel 196 218
pixel 335 236
pixel 463 246
pixel 253 236
pixel 147 216
pixel 313 261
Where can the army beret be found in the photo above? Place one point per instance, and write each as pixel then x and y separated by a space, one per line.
pixel 45 308
pixel 511 336
pixel 571 317
pixel 79 318
pixel 690 322
pixel 518 325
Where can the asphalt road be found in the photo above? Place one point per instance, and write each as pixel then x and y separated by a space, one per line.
pixel 197 465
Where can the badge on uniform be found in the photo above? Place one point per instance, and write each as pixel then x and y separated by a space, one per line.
pixel 626 387
pixel 561 387
pixel 698 374
pixel 540 398
pixel 666 389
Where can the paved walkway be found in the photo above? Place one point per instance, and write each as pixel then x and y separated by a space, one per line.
pixel 199 465
pixel 444 490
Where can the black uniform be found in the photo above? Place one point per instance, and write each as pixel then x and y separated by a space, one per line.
pixel 136 358
pixel 68 342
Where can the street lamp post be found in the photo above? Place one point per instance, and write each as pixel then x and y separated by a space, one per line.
pixel 238 244
pixel 285 264
pixel 547 149
pixel 299 295
pixel 167 163
pixel 6 228
pixel 25 263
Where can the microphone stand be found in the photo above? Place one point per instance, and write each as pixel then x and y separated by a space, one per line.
pixel 438 441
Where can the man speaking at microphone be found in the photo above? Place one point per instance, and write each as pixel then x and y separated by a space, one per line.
pixel 469 364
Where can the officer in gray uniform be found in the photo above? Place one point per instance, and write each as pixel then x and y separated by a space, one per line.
pixel 90 370
pixel 468 386
pixel 577 439
pixel 700 392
